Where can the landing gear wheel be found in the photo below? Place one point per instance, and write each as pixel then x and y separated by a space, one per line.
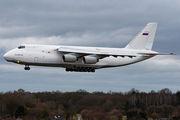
pixel 81 69
pixel 93 70
pixel 26 67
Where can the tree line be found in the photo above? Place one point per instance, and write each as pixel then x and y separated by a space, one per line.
pixel 92 106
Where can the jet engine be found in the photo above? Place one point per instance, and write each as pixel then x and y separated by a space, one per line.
pixel 69 58
pixel 90 60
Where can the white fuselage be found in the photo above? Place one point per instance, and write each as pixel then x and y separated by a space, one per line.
pixel 86 59
pixel 48 55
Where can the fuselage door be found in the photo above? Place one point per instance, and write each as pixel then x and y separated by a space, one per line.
pixel 35 59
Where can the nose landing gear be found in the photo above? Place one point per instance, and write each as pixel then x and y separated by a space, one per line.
pixel 26 67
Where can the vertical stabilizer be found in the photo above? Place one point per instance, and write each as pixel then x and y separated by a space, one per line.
pixel 145 38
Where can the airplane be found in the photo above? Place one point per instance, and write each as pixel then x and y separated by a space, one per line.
pixel 86 59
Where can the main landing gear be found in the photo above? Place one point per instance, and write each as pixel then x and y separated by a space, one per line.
pixel 26 67
pixel 81 69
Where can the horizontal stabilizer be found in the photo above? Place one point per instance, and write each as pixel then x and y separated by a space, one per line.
pixel 154 54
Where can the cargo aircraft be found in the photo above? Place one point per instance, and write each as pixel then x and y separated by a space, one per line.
pixel 86 59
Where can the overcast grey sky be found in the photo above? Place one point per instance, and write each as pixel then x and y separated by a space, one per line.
pixel 103 23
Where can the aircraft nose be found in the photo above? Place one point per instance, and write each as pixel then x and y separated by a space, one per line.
pixel 8 56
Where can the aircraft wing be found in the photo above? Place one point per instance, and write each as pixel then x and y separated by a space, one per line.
pixel 84 52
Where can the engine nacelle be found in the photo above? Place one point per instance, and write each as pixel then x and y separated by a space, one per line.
pixel 69 58
pixel 90 60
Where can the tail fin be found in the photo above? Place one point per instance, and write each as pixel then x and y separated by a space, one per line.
pixel 145 38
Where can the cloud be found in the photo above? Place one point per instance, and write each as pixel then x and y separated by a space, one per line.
pixel 119 36
pixel 100 23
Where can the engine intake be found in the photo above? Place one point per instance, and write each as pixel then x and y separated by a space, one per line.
pixel 69 58
pixel 90 60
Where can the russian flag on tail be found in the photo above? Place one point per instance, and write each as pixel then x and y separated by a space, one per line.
pixel 146 34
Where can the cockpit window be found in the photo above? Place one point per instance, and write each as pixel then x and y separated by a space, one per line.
pixel 20 47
